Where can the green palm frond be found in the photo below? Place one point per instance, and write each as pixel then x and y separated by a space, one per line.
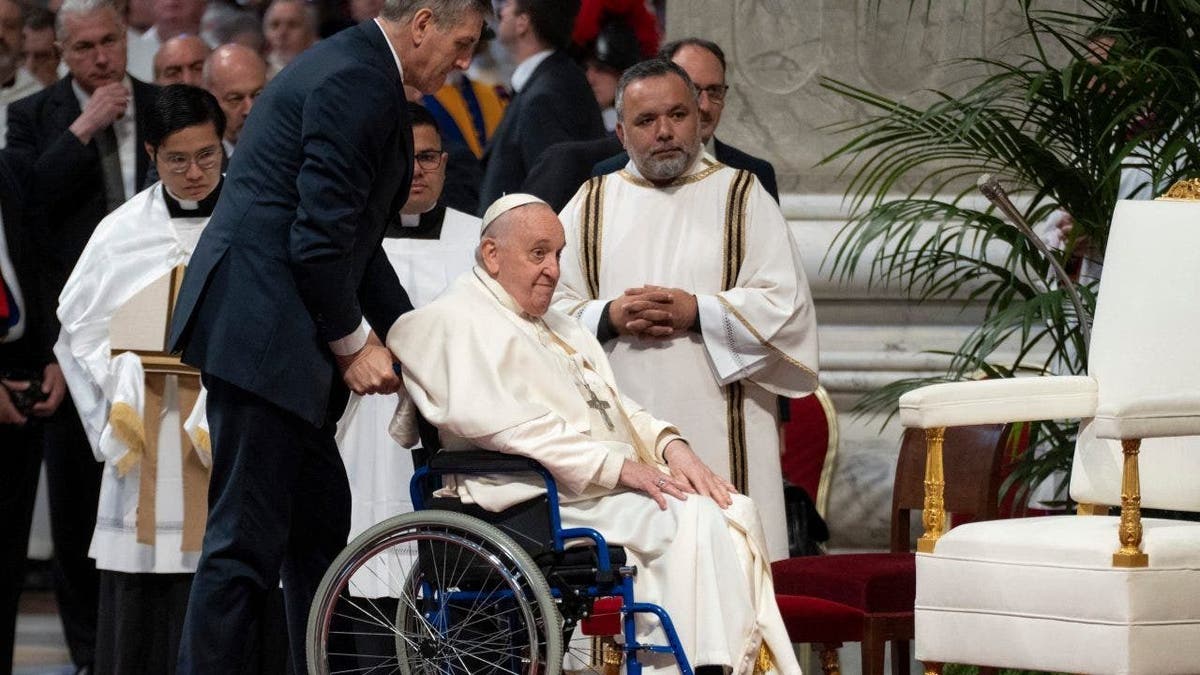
pixel 1058 124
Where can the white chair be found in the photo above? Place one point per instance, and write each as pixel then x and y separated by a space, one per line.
pixel 1085 593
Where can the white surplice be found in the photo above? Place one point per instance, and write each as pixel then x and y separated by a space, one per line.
pixel 714 232
pixel 131 248
pixel 489 376
pixel 378 468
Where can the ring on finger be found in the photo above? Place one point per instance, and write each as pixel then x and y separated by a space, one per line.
pixel 660 483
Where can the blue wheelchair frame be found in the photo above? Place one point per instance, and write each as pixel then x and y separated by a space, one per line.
pixel 621 579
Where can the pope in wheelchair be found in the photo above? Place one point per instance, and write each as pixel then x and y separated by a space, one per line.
pixel 510 565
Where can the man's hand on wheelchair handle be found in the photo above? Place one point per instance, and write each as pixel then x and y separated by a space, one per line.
pixel 370 370
pixel 653 482
pixel 688 469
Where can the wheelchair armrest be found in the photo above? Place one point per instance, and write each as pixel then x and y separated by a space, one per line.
pixel 481 461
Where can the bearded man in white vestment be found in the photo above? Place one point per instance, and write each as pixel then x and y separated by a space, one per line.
pixel 491 366
pixel 429 245
pixel 686 271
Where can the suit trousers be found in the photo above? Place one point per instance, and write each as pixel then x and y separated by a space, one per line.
pixel 73 485
pixel 22 459
pixel 279 509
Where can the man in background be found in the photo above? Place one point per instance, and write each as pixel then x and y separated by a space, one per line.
pixel 236 75
pixel 180 60
pixel 552 103
pixel 15 81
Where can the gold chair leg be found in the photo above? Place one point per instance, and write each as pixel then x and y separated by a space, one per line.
pixel 933 668
pixel 830 665
pixel 1130 533
pixel 934 515
pixel 612 656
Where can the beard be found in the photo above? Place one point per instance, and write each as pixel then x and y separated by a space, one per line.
pixel 667 168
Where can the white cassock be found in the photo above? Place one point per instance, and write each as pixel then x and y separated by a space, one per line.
pixel 378 468
pixel 489 376
pixel 133 247
pixel 714 232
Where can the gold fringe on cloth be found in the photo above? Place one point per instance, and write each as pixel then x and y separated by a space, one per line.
pixel 127 427
pixel 764 664
pixel 140 435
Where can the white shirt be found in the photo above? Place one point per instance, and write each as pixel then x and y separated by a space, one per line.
pixel 126 130
pixel 525 70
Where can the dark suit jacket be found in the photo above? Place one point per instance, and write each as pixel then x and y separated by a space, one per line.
pixel 555 105
pixel 67 198
pixel 564 167
pixel 726 154
pixel 291 258
pixel 31 351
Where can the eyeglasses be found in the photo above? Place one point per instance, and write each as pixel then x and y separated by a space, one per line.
pixel 205 159
pixel 716 92
pixel 430 160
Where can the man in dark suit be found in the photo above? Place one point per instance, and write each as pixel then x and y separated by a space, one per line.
pixel 25 359
pixel 553 102
pixel 83 138
pixel 272 310
pixel 704 62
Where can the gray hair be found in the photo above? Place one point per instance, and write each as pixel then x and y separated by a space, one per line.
pixel 311 19
pixel 444 11
pixel 644 70
pixel 72 8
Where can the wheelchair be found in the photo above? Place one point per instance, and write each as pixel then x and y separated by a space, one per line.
pixel 453 589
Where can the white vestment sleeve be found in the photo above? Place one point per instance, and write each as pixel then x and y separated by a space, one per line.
pixel 590 315
pixel 576 460
pixel 733 350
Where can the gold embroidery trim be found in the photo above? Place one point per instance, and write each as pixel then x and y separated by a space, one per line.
pixel 762 340
pixel 735 228
pixel 589 233
pixel 737 437
pixel 682 180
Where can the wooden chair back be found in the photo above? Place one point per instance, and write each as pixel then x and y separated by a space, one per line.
pixel 973 458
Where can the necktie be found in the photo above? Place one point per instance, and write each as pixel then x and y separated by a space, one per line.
pixel 110 165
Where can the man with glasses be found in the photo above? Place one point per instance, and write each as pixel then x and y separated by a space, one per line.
pixel 84 137
pixel 151 513
pixel 704 62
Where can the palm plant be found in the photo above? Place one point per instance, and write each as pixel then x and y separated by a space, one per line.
pixel 1058 124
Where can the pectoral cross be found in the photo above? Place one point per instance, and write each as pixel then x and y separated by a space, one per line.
pixel 602 406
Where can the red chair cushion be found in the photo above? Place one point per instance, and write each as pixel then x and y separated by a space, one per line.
pixel 816 620
pixel 870 582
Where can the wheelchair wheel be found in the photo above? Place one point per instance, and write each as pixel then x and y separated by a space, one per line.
pixel 434 592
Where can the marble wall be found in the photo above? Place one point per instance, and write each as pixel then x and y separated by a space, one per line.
pixel 779 51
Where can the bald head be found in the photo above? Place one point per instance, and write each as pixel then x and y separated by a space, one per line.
pixel 235 74
pixel 520 250
pixel 180 60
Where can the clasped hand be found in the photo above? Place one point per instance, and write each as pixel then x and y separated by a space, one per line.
pixel 653 312
pixel 370 370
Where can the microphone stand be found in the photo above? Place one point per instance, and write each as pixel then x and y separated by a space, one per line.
pixel 990 187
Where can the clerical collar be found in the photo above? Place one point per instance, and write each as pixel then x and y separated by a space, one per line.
pixel 428 225
pixel 704 166
pixel 186 208
pixel 502 296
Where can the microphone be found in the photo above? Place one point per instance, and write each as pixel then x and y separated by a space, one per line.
pixel 991 188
